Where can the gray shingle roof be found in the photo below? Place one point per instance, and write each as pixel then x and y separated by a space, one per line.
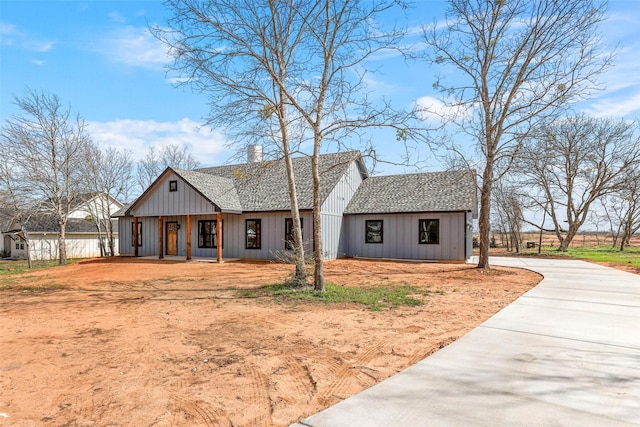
pixel 217 189
pixel 46 223
pixel 420 192
pixel 263 186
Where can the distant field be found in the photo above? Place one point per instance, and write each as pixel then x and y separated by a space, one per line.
pixel 590 246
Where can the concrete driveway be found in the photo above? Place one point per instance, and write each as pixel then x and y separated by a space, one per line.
pixel 566 353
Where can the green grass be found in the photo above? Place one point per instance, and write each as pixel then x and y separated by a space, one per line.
pixel 9 269
pixel 373 298
pixel 21 266
pixel 630 256
pixel 602 253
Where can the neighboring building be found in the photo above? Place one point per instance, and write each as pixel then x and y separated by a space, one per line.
pixel 83 238
pixel 5 241
pixel 423 216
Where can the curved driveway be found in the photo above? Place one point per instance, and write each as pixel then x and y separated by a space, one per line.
pixel 566 353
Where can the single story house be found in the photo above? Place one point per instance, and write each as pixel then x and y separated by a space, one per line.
pixel 83 238
pixel 243 211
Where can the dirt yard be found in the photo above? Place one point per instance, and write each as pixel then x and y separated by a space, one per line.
pixel 150 343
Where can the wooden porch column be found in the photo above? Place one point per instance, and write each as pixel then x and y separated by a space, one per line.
pixel 160 238
pixel 188 237
pixel 219 236
pixel 135 236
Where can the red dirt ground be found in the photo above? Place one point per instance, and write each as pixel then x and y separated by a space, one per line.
pixel 159 343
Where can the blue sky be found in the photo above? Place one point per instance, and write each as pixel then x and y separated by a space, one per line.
pixel 98 57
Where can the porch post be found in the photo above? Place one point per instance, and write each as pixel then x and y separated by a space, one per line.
pixel 160 238
pixel 135 236
pixel 219 236
pixel 188 237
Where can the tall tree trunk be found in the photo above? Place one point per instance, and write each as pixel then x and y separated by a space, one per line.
pixel 112 249
pixel 571 233
pixel 485 214
pixel 318 272
pixel 27 244
pixel 300 278
pixel 62 247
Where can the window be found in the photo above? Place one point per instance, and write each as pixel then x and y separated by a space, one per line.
pixel 253 234
pixel 208 234
pixel 373 231
pixel 20 244
pixel 139 233
pixel 429 231
pixel 173 185
pixel 289 235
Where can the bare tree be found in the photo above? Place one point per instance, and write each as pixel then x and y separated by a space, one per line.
pixel 574 162
pixel 508 210
pixel 630 195
pixel 280 65
pixel 518 62
pixel 46 148
pixel 17 202
pixel 622 210
pixel 156 161
pixel 334 104
pixel 109 175
pixel 240 54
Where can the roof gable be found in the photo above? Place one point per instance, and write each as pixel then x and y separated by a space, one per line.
pixel 420 192
pixel 263 186
pixel 218 190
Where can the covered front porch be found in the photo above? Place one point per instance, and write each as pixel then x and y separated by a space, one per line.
pixel 168 233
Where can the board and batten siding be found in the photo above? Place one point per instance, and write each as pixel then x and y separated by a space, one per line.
pixel 469 217
pixel 233 235
pixel 149 236
pixel 45 247
pixel 401 237
pixel 272 236
pixel 334 234
pixel 160 201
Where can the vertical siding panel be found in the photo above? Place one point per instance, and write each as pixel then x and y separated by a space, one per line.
pixel 160 201
pixel 400 238
pixel 124 236
pixel 333 243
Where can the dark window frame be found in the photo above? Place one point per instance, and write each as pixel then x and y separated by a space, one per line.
pixel 213 236
pixel 425 239
pixel 369 233
pixel 257 244
pixel 139 234
pixel 20 243
pixel 173 186
pixel 289 236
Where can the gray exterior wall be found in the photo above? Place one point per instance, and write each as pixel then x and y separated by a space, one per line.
pixel 470 216
pixel 149 236
pixel 334 236
pixel 400 237
pixel 233 235
pixel 160 201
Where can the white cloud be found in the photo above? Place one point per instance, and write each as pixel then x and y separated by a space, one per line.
pixel 43 46
pixel 12 36
pixel 38 62
pixel 435 111
pixel 7 29
pixel 623 105
pixel 117 17
pixel 139 135
pixel 134 47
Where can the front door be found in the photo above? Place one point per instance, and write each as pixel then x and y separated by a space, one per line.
pixel 172 238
